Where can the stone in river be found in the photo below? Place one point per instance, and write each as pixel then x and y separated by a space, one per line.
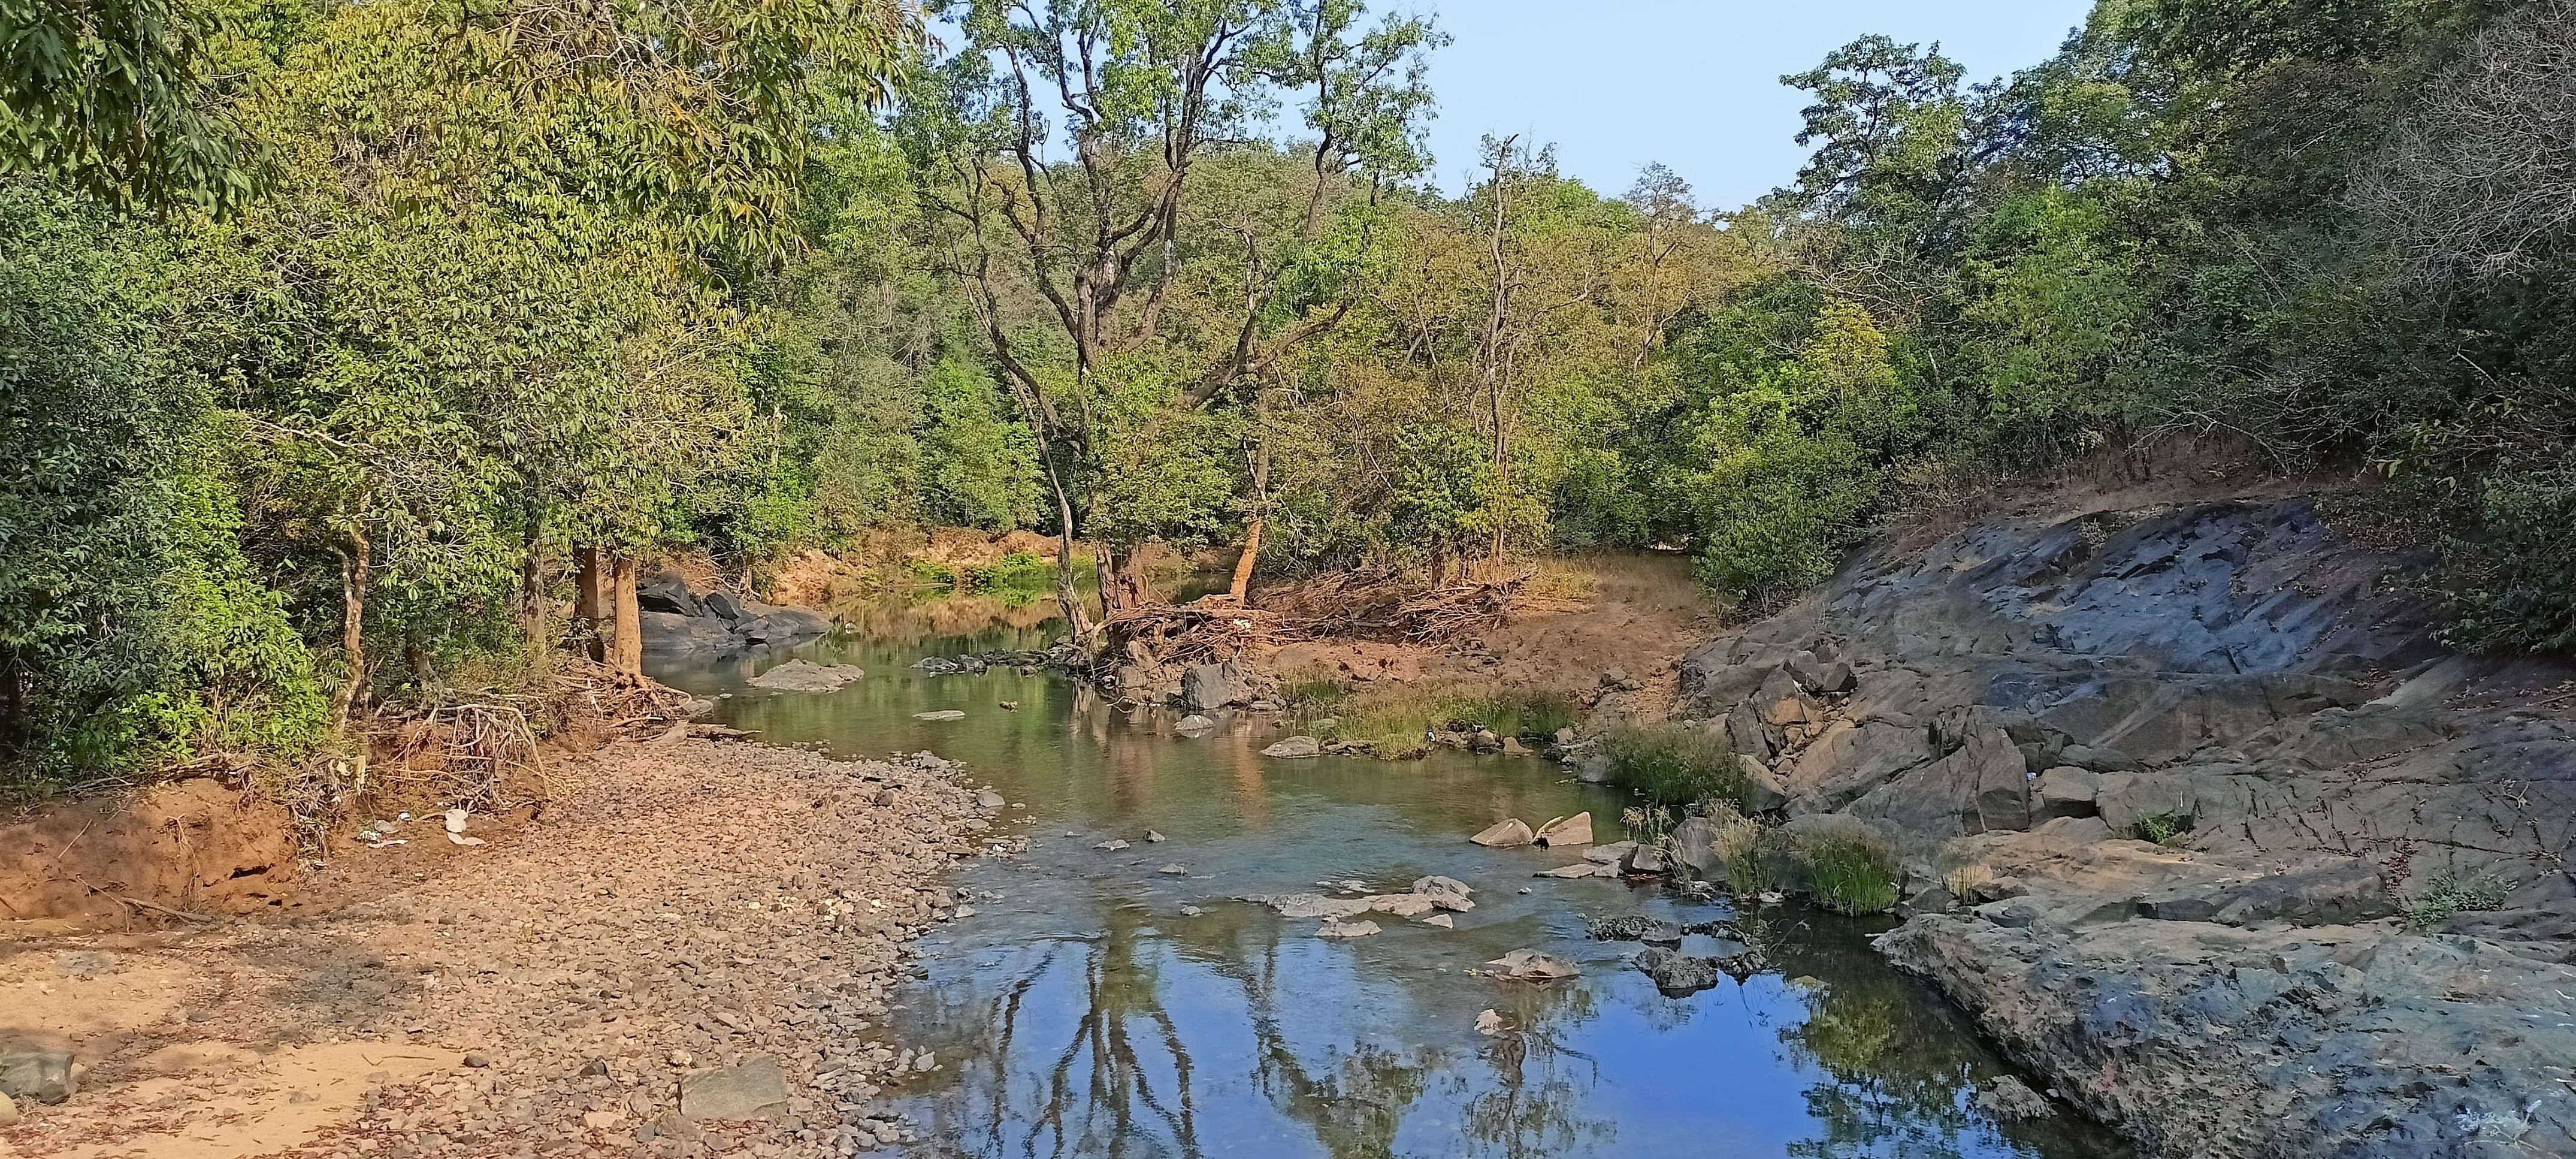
pixel 1443 921
pixel 988 799
pixel 1579 869
pixel 807 676
pixel 1194 723
pixel 1112 845
pixel 1505 834
pixel 1176 869
pixel 1611 854
pixel 1446 892
pixel 1676 974
pixel 941 714
pixel 1533 966
pixel 1295 748
pixel 1360 929
pixel 1489 1023
pixel 1311 905
pixel 1574 830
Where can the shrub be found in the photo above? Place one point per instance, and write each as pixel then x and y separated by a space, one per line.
pixel 1673 766
pixel 1851 877
pixel 1394 722
pixel 2444 894
pixel 2167 829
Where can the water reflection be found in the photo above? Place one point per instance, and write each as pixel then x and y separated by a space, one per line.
pixel 1097 1006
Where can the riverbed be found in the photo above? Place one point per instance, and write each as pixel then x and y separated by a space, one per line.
pixel 1122 1002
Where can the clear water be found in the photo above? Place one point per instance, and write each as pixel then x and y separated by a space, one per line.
pixel 1081 1012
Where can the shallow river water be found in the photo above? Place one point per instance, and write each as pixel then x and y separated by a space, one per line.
pixel 1081 1011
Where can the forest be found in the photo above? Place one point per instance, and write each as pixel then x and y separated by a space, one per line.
pixel 343 346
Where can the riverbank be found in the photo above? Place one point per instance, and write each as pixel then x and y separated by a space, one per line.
pixel 690 950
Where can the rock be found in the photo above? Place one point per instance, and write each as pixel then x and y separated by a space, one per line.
pixel 1748 735
pixel 1311 905
pixel 1295 748
pixel 477 1061
pixel 1208 687
pixel 807 676
pixel 1677 974
pixel 665 632
pixel 1175 869
pixel 1579 869
pixel 723 606
pixel 1817 676
pixel 1443 921
pixel 1336 929
pixel 1507 833
pixel 1782 703
pixel 1634 928
pixel 754 1088
pixel 1008 705
pixel 2011 1100
pixel 595 1068
pixel 674 1125
pixel 1695 847
pixel 1194 723
pixel 2128 799
pixel 606 1120
pixel 2343 892
pixel 1574 830
pixel 1611 854
pixel 1112 845
pixel 667 594
pixel 1565 736
pixel 1448 893
pixel 1533 966
pixel 988 799
pixel 1489 1023
pixel 1763 790
pixel 1595 769
pixel 38 1076
pixel 1403 905
pixel 2066 791
pixel 940 714
pixel 8 1111
pixel 1646 859
pixel 1155 838
pixel 775 625
pixel 1483 740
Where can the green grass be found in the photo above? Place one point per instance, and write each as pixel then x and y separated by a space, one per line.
pixel 2164 829
pixel 1673 766
pixel 1849 877
pixel 1393 721
pixel 2444 894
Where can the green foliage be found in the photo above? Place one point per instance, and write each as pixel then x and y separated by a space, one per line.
pixel 1673 766
pixel 1851 877
pixel 1394 722
pixel 117 100
pixel 133 632
pixel 2444 894
pixel 2167 829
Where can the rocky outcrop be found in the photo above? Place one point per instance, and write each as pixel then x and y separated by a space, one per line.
pixel 677 620
pixel 2162 782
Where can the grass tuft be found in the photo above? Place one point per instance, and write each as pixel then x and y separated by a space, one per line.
pixel 2444 894
pixel 1673 766
pixel 1393 721
pixel 1851 877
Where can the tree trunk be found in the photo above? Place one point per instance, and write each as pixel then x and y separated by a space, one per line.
pixel 626 644
pixel 532 589
pixel 1241 591
pixel 1122 587
pixel 1439 563
pixel 353 629
pixel 590 602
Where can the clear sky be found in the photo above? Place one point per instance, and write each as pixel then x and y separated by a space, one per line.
pixel 1691 83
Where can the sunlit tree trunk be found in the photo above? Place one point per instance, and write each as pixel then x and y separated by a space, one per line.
pixel 626 642
pixel 353 628
pixel 532 588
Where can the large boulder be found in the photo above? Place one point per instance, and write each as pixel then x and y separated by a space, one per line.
pixel 669 632
pixel 1208 687
pixel 754 1088
pixel 667 592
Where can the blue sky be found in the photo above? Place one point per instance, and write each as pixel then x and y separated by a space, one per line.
pixel 1691 83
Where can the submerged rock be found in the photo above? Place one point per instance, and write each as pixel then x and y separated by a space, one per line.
pixel 1507 833
pixel 1677 974
pixel 1359 929
pixel 2011 1100
pixel 1533 966
pixel 940 714
pixel 1295 748
pixel 807 676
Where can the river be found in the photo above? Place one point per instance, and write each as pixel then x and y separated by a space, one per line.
pixel 1082 1010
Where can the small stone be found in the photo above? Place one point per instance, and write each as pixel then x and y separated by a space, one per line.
pixel 1358 929
pixel 988 799
pixel 477 1061
pixel 1010 706
pixel 603 1120
pixel 1152 836
pixel 2011 1100
pixel 1112 845
pixel 1443 921
pixel 299 1098
pixel 1194 723
pixel 1191 911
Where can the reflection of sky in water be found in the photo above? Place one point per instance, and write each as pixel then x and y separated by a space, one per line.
pixel 1082 1013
